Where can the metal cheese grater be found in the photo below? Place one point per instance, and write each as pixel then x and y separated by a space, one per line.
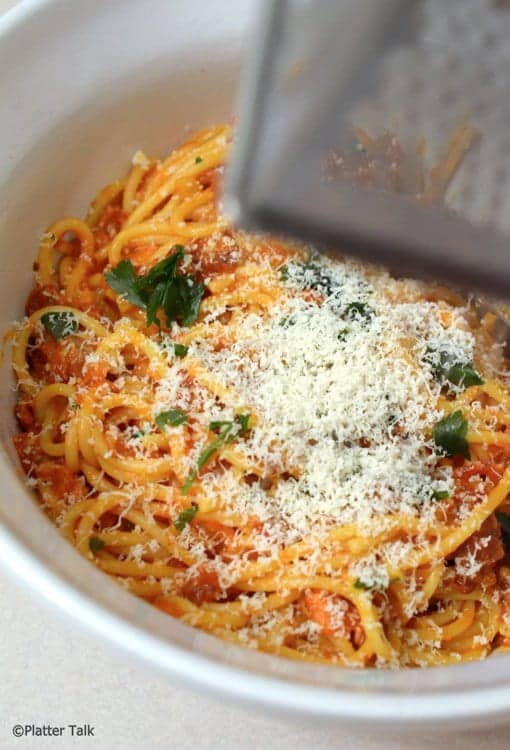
pixel 381 129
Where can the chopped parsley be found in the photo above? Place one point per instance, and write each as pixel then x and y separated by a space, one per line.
pixel 376 586
pixel 177 294
pixel 440 494
pixel 358 311
pixel 60 324
pixel 446 370
pixel 449 435
pixel 239 426
pixel 180 350
pixel 463 376
pixel 185 517
pixel 123 280
pixel 359 584
pixel 95 544
pixel 198 160
pixel 427 494
pixel 138 434
pixel 284 273
pixel 243 421
pixel 172 417
pixel 287 321
pixel 228 432
pixel 311 275
pixel 166 343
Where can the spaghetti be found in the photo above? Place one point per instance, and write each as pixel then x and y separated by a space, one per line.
pixel 299 455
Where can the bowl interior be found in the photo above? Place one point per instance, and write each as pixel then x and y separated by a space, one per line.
pixel 86 85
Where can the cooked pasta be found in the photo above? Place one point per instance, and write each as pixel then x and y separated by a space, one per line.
pixel 301 455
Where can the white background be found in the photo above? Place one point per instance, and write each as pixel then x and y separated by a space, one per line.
pixel 51 672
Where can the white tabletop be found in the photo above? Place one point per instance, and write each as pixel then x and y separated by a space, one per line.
pixel 53 673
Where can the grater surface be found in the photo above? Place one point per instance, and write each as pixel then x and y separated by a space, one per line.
pixel 418 71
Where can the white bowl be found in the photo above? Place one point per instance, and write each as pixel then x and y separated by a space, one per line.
pixel 83 85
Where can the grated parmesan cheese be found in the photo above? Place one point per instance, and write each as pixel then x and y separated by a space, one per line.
pixel 140 160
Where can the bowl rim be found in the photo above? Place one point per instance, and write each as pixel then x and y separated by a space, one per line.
pixel 377 707
pixel 436 708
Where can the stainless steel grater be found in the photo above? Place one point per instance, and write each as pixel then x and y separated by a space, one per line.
pixel 330 83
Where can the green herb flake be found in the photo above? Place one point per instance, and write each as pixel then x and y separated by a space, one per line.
pixel 123 280
pixel 180 350
pixel 449 435
pixel 359 584
pixel 95 544
pixel 189 482
pixel 463 375
pixel 243 421
pixel 228 431
pixel 198 160
pixel 218 425
pixel 358 310
pixel 60 324
pixel 172 417
pixel 310 275
pixel 363 586
pixel 284 273
pixel 185 517
pixel 446 370
pixel 178 295
pixel 440 495
pixel 240 425
pixel 213 447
